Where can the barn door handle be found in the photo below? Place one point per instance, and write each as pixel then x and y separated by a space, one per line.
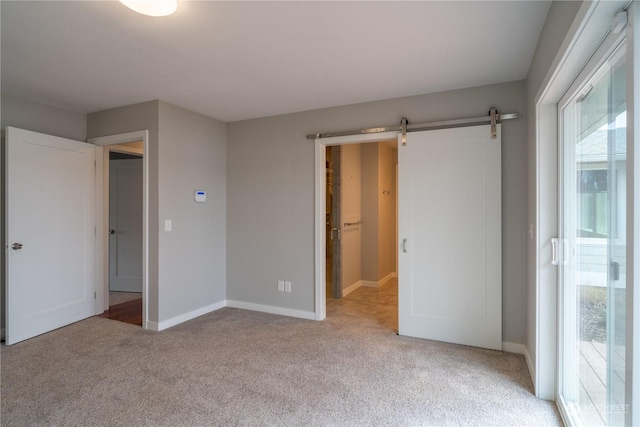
pixel 16 246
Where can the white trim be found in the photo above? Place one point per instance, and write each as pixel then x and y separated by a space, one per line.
pixel 166 324
pixel 102 215
pixel 388 277
pixel 588 29
pixel 152 326
pixel 373 284
pixel 320 231
pixel 527 358
pixel 632 378
pixel 369 284
pixel 346 291
pixel 309 315
pixel 517 348
pixel 359 139
pixel 121 138
pixel 562 409
pixel 514 347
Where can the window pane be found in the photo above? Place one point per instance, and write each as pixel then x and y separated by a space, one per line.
pixel 593 278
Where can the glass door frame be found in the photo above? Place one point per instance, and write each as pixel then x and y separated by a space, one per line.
pixel 602 53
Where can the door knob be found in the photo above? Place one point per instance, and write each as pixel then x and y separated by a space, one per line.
pixel 112 231
pixel 16 246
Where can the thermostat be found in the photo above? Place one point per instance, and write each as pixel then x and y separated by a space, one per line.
pixel 201 196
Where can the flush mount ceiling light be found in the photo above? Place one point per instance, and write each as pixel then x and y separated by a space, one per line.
pixel 152 7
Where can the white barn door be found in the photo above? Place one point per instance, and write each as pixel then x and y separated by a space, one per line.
pixel 449 211
pixel 50 225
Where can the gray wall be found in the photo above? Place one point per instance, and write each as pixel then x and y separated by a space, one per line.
pixel 351 211
pixel 387 207
pixel 370 212
pixel 187 152
pixel 143 116
pixel 35 117
pixel 192 257
pixel 270 193
pixel 378 211
pixel 559 19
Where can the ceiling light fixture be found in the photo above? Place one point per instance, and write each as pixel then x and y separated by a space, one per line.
pixel 152 7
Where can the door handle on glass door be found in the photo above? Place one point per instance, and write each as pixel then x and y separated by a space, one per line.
pixel 554 251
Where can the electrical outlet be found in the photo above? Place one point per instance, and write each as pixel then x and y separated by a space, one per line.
pixel 280 285
pixel 287 286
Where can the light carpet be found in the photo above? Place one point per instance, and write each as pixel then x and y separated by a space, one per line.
pixel 236 367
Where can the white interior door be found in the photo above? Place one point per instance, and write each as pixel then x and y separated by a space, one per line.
pixel 449 207
pixel 125 225
pixel 50 223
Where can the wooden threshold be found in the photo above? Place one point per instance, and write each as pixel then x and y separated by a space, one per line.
pixel 128 312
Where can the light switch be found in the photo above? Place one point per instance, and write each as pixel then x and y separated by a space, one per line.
pixel 168 225
pixel 287 286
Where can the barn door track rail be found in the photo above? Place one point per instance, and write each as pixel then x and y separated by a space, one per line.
pixel 492 118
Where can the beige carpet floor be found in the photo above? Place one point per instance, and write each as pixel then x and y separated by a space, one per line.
pixel 236 367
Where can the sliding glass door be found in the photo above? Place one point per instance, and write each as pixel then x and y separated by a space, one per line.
pixel 592 250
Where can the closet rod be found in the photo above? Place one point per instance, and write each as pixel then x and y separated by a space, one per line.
pixel 443 124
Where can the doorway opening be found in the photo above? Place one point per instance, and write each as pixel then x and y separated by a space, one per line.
pixel 122 227
pixel 361 232
pixel 125 233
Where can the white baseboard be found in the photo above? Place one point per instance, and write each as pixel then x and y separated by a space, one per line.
pixel 379 283
pixel 165 324
pixel 369 284
pixel 511 347
pixel 272 309
pixel 346 291
pixel 152 326
pixel 532 370
pixel 388 277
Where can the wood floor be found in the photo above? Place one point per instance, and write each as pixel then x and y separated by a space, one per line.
pixel 128 312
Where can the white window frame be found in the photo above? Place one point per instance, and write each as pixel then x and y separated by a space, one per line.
pixel 597 60
pixel 592 23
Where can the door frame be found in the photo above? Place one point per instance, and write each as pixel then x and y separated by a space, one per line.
pixel 104 145
pixel 608 46
pixel 320 208
pixel 590 25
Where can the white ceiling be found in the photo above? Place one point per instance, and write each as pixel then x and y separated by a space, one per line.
pixel 238 60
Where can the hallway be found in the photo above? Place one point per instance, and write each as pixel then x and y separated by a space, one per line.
pixel 373 304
